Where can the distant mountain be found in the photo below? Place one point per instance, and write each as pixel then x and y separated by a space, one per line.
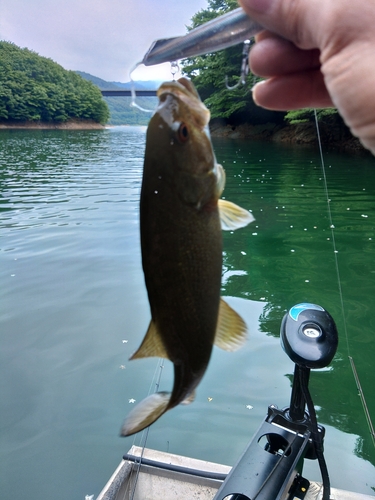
pixel 121 111
pixel 102 84
pixel 140 85
pixel 105 85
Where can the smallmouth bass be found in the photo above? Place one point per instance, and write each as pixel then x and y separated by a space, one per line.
pixel 181 219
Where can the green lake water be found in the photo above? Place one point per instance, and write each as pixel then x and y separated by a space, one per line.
pixel 74 308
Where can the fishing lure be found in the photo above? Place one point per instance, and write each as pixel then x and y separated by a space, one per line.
pixel 220 33
pixel 227 30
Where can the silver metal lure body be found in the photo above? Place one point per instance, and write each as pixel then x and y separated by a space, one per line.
pixel 224 31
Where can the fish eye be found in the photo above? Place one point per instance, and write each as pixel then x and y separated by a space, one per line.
pixel 183 132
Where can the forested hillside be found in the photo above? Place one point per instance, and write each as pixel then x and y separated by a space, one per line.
pixel 34 88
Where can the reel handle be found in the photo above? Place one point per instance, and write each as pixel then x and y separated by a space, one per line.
pixel 309 335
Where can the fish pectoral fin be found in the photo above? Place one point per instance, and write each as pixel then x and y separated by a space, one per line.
pixel 232 216
pixel 152 345
pixel 145 413
pixel 189 398
pixel 231 331
pixel 220 182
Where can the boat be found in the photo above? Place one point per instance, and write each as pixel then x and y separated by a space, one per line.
pixel 161 475
pixel 272 464
pixel 165 476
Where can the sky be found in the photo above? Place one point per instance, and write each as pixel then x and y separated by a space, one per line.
pixel 103 37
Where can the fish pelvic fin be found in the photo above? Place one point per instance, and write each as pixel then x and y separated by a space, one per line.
pixel 232 216
pixel 152 345
pixel 189 399
pixel 231 331
pixel 145 413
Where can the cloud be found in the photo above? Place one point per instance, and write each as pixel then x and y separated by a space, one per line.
pixel 102 37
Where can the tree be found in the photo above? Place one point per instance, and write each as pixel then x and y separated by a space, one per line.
pixel 308 115
pixel 34 88
pixel 209 71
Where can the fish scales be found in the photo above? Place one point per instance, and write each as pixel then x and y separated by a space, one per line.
pixel 181 254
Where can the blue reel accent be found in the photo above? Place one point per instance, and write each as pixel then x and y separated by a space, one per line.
pixel 296 310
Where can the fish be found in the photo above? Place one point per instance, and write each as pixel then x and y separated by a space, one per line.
pixel 181 221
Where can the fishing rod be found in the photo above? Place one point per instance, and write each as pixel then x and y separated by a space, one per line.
pixel 271 466
pixel 159 368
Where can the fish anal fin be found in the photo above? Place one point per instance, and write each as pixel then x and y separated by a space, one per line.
pixel 145 413
pixel 232 216
pixel 231 331
pixel 152 345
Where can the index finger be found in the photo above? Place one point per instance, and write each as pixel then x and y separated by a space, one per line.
pixel 273 55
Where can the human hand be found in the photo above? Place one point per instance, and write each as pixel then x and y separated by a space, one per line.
pixel 317 53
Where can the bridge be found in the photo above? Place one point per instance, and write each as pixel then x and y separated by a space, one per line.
pixel 127 93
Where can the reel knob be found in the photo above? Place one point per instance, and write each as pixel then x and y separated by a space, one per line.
pixel 309 335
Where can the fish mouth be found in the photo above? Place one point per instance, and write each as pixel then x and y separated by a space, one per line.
pixel 184 91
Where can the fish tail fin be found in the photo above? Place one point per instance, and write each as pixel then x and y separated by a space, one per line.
pixel 145 413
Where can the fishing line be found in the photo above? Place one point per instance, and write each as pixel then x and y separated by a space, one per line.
pixel 133 93
pixel 175 68
pixel 160 366
pixel 157 375
pixel 332 227
pixel 362 396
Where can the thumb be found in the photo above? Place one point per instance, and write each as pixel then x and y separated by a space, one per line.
pixel 344 35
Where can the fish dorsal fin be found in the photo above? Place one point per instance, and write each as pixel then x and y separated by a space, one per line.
pixel 189 398
pixel 232 216
pixel 152 345
pixel 231 331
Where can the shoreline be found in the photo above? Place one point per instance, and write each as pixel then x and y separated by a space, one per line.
pixel 302 134
pixel 68 125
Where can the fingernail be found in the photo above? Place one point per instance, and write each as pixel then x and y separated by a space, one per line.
pixel 256 85
pixel 260 6
pixel 253 89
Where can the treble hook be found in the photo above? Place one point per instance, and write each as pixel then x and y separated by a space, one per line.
pixel 175 68
pixel 244 66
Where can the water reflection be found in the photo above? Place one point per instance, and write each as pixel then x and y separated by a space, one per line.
pixel 289 257
pixel 72 291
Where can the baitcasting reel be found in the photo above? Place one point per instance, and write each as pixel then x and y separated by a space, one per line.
pixel 271 466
